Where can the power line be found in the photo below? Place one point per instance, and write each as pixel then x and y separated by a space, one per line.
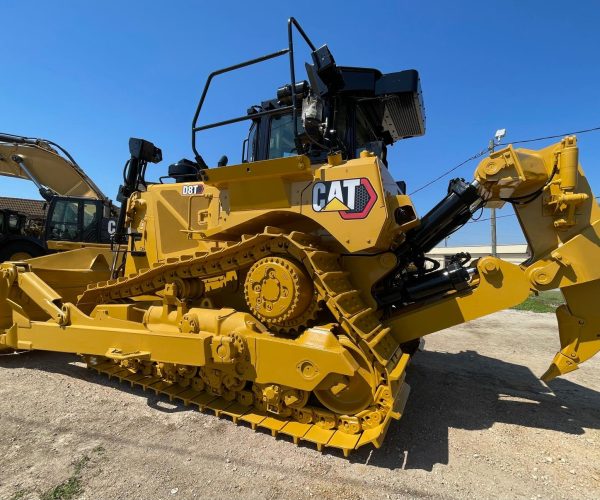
pixel 594 129
pixel 441 176
pixel 481 153
pixel 490 218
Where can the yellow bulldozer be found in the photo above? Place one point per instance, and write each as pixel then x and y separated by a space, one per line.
pixel 289 291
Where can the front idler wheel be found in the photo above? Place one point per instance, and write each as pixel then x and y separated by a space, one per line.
pixel 352 394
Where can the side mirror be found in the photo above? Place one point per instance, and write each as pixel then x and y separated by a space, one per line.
pixel 144 150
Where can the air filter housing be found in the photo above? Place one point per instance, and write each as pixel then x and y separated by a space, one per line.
pixel 402 111
pixel 393 102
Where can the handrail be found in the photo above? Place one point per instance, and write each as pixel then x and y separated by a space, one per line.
pixel 292 22
pixel 290 50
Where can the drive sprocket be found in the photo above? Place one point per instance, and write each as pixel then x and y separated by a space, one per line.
pixel 280 293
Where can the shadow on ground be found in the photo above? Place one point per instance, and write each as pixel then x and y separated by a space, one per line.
pixel 470 391
pixel 464 390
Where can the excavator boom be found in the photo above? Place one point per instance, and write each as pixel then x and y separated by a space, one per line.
pixel 39 161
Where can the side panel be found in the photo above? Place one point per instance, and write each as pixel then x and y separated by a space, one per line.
pixel 347 200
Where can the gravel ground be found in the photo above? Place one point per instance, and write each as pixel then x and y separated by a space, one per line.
pixel 478 424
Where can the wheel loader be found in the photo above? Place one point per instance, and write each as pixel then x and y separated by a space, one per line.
pixel 289 291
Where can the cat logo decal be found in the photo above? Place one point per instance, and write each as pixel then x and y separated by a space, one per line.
pixel 351 198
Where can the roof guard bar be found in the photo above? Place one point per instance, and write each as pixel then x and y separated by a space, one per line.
pixel 290 50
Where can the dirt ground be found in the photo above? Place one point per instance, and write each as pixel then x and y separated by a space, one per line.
pixel 478 424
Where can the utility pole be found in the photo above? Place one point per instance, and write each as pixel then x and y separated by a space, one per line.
pixel 493 225
pixel 500 133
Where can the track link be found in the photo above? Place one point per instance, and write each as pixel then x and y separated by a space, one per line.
pixel 239 413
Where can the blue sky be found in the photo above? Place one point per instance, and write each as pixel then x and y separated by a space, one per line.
pixel 89 75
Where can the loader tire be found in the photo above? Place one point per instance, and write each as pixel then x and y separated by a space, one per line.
pixel 20 250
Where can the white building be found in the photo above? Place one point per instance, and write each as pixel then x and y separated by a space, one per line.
pixel 515 254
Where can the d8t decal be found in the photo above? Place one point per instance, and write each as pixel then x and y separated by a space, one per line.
pixel 189 189
pixel 351 198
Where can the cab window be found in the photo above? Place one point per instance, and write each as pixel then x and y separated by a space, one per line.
pixel 13 222
pixel 92 214
pixel 281 136
pixel 75 220
pixel 63 223
pixel 251 143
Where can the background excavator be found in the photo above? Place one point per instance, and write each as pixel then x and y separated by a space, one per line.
pixel 78 213
pixel 289 291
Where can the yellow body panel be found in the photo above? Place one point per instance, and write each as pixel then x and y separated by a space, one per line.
pixel 242 199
